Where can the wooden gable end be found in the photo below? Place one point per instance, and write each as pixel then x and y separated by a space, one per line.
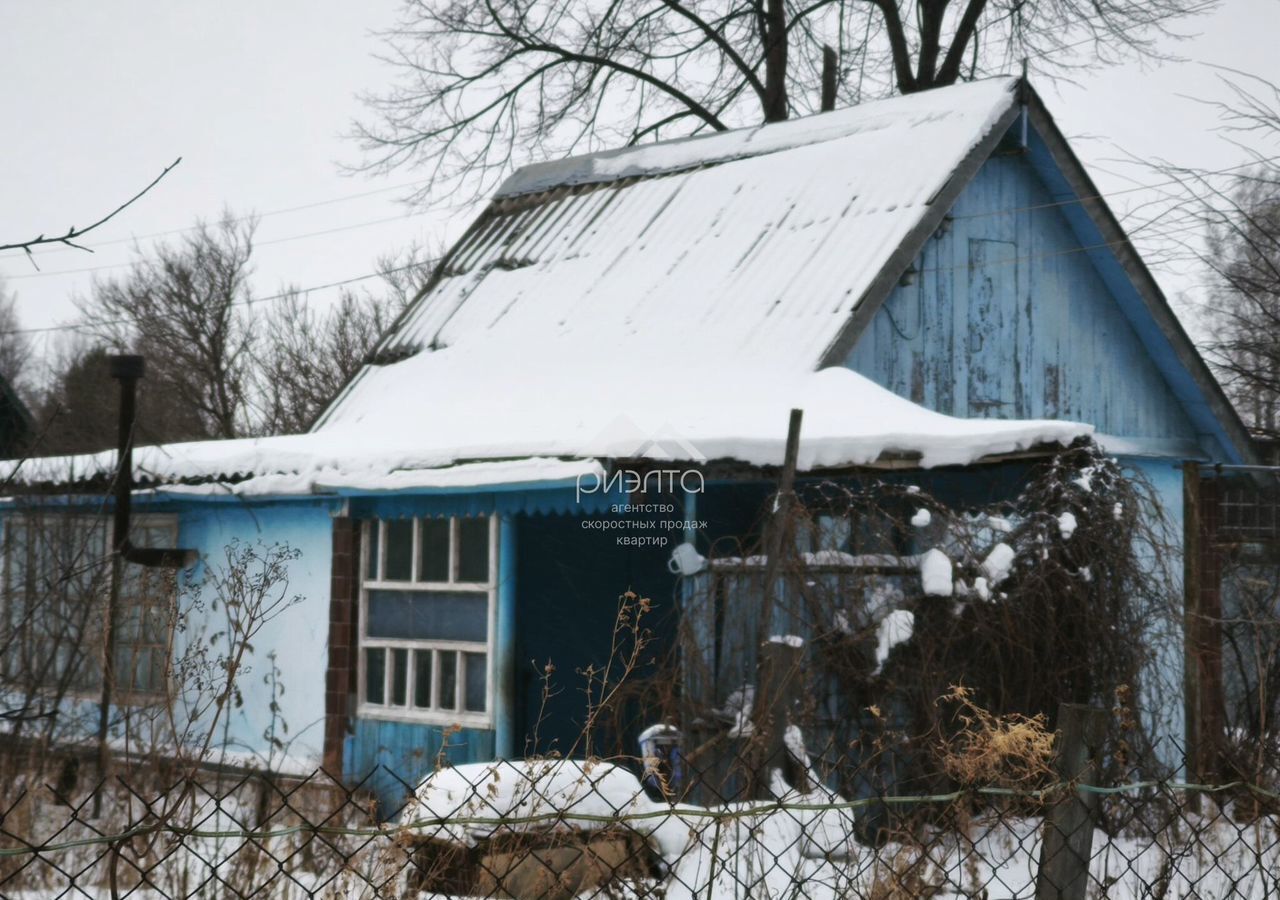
pixel 1009 316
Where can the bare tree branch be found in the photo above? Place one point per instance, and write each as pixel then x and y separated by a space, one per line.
pixel 73 234
pixel 483 85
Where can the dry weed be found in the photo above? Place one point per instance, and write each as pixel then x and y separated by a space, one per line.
pixel 1009 750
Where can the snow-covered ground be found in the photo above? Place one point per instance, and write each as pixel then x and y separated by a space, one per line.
pixel 797 845
pixel 805 845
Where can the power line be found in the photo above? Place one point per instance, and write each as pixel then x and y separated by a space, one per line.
pixel 280 240
pixel 249 301
pixel 1101 195
pixel 1010 260
pixel 252 216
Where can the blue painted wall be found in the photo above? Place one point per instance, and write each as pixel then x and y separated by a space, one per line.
pixel 298 635
pixel 1008 320
pixel 390 758
pixel 1161 699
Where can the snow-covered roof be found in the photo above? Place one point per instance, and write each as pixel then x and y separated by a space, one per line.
pixel 757 243
pixel 672 301
pixel 485 427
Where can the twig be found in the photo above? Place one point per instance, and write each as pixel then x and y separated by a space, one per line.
pixel 74 234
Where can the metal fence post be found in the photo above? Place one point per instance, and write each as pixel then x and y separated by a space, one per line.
pixel 1067 844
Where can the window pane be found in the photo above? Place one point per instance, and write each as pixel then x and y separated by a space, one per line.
pixel 145 533
pixel 155 678
pixel 136 669
pixel 155 625
pixel 399 676
pixel 448 679
pixel 128 626
pixel 433 564
pixel 371 559
pixel 129 661
pixel 477 665
pixel 428 615
pixel 473 549
pixel 15 555
pixel 399 550
pixel 422 678
pixel 375 674
pixel 87 674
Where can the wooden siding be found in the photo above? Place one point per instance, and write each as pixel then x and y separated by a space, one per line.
pixel 390 758
pixel 1007 319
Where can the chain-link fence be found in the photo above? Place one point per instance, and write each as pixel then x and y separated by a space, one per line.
pixel 551 828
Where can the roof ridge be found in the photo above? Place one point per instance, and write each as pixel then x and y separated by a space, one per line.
pixel 696 151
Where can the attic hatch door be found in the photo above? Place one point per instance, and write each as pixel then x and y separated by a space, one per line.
pixel 990 349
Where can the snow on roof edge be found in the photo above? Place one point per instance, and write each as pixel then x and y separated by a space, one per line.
pixel 693 151
pixel 246 475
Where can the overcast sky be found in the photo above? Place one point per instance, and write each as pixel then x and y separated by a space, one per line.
pixel 97 98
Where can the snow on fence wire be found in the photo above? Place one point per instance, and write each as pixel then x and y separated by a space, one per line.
pixel 564 829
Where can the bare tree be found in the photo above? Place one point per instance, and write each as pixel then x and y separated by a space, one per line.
pixel 1222 227
pixel 16 356
pixel 1243 260
pixel 221 363
pixel 483 84
pixel 305 356
pixel 184 307
pixel 76 410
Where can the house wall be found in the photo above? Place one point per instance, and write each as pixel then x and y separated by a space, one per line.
pixel 1007 319
pixel 297 634
pixel 1161 698
pixel 389 756
pixel 569 581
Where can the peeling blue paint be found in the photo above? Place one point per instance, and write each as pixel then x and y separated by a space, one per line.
pixel 1008 318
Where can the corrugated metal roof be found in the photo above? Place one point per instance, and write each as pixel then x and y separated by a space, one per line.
pixel 760 241
pixel 685 290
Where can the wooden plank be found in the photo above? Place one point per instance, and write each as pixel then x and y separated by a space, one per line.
pixel 912 245
pixel 1067 846
pixel 1190 622
pixel 779 660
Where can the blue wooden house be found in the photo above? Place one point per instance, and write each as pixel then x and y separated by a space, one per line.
pixel 934 279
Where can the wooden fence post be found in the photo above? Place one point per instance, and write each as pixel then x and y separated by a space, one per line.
pixel 1067 844
pixel 777 692
pixel 1191 628
pixel 779 660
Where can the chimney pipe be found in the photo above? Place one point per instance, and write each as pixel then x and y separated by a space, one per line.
pixel 830 77
pixel 129 370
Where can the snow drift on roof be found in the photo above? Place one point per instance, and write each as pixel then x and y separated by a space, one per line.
pixel 958 107
pixel 593 405
pixel 507 422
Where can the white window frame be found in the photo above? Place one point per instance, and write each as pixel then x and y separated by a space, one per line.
pixel 123 694
pixel 409 712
